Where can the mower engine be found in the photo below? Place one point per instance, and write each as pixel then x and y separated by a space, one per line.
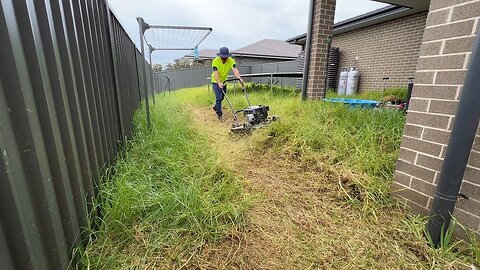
pixel 255 115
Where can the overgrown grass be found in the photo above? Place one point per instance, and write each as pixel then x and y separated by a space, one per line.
pixel 400 93
pixel 168 197
pixel 365 141
pixel 165 198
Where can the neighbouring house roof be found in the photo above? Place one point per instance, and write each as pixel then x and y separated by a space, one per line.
pixel 266 48
pixel 269 48
pixel 371 18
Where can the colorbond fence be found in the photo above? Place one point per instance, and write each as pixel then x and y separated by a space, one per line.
pixel 185 78
pixel 195 77
pixel 70 84
pixel 68 91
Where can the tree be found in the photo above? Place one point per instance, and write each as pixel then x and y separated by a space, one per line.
pixel 179 64
pixel 186 63
pixel 157 67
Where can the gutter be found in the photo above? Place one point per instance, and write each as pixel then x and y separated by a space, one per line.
pixel 265 56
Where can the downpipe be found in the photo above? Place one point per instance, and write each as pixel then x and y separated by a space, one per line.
pixel 458 151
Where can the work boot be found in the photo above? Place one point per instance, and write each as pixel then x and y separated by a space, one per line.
pixel 220 117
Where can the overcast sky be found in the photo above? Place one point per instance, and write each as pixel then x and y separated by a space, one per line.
pixel 235 23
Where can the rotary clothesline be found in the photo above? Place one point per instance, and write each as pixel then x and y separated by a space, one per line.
pixel 167 38
pixel 175 37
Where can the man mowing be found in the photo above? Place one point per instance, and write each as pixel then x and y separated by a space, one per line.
pixel 221 65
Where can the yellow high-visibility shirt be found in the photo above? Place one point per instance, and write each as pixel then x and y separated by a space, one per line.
pixel 223 69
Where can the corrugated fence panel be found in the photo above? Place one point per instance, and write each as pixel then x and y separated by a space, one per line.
pixel 71 80
pixel 195 77
pixel 70 84
pixel 127 80
pixel 287 66
pixel 290 66
pixel 186 78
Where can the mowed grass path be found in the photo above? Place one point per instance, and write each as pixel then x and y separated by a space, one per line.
pixel 309 192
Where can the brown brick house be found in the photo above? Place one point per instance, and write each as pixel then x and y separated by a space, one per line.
pixel 382 43
pixel 447 45
pixel 447 39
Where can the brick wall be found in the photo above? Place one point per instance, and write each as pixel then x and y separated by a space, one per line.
pixel 447 44
pixel 388 49
pixel 323 15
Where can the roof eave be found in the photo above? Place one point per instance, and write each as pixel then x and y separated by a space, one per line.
pixel 264 56
pixel 373 19
pixel 367 19
pixel 420 5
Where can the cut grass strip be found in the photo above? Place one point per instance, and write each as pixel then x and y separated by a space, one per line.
pixel 165 198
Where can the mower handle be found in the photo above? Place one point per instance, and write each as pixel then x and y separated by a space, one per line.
pixel 243 89
pixel 231 80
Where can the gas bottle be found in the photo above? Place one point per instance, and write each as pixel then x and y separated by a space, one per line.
pixel 352 81
pixel 342 82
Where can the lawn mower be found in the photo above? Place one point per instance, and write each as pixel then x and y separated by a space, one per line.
pixel 255 116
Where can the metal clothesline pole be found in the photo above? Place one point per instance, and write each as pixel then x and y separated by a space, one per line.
pixel 151 50
pixel 142 28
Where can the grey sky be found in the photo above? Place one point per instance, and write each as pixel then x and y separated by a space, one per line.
pixel 235 23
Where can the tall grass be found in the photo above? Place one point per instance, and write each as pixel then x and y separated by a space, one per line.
pixel 365 141
pixel 165 198
pixel 400 93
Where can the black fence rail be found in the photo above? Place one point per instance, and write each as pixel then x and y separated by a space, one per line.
pixel 68 91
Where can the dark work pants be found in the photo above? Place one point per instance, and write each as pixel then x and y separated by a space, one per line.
pixel 219 96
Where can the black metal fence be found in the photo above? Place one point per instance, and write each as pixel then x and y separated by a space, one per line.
pixel 68 91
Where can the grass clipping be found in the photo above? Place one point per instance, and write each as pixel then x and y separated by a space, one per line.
pixel 165 198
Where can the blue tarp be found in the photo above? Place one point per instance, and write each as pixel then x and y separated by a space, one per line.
pixel 362 103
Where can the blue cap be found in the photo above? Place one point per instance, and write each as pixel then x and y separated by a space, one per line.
pixel 224 52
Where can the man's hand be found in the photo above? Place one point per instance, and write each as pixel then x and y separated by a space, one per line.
pixel 220 84
pixel 237 75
